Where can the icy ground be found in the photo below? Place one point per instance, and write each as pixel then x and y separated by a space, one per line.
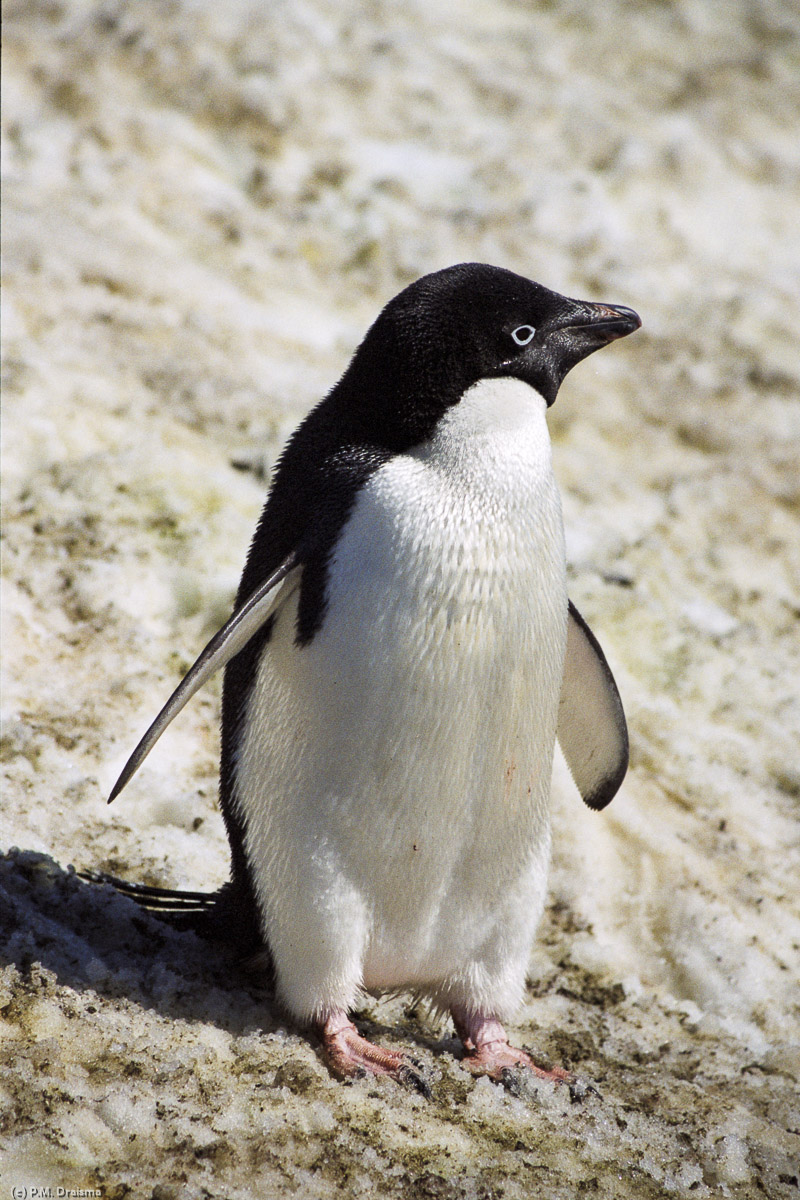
pixel 204 206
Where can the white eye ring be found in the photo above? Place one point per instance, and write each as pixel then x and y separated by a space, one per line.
pixel 523 334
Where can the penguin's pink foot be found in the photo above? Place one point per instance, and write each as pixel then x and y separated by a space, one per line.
pixel 489 1052
pixel 351 1056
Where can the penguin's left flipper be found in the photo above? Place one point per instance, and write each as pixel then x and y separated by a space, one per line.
pixel 225 645
pixel 592 731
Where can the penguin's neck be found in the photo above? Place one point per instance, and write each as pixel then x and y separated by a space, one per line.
pixel 468 521
pixel 494 446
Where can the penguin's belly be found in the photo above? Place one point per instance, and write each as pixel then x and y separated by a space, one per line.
pixel 394 773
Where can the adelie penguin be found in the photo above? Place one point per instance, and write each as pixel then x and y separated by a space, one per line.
pixel 401 659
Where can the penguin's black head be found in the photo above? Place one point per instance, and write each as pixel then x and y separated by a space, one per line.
pixel 454 327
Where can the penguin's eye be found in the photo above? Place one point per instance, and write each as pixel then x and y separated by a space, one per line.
pixel 523 334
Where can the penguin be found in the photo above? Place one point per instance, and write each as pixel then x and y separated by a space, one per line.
pixel 401 658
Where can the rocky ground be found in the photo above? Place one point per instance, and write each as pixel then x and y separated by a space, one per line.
pixel 204 207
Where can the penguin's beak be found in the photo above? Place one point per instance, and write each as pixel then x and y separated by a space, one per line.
pixel 585 328
pixel 603 323
pixel 579 328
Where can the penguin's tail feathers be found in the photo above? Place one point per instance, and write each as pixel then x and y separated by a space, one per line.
pixel 183 910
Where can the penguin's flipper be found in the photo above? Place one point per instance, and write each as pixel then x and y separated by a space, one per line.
pixel 225 645
pixel 591 723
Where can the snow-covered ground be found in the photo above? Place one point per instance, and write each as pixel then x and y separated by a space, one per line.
pixel 204 207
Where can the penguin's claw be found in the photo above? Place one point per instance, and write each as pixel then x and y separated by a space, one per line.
pixel 351 1056
pixel 499 1059
pixel 487 1050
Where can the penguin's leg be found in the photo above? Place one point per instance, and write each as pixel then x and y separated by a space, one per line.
pixel 317 925
pixel 350 1056
pixel 488 1050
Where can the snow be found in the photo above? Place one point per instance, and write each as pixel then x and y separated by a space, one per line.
pixel 204 208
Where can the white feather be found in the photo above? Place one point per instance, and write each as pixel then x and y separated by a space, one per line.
pixel 394 774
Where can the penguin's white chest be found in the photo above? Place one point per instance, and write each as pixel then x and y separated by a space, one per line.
pixel 394 773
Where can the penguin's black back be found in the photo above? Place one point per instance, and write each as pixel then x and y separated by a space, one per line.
pixel 314 488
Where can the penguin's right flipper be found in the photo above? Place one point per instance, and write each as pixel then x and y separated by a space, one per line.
pixel 225 645
pixel 592 731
